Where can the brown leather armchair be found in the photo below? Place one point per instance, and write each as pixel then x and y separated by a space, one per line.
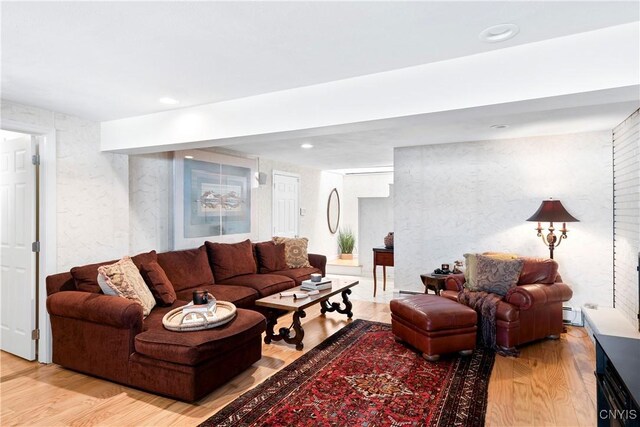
pixel 530 311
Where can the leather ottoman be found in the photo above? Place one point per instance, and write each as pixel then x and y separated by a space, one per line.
pixel 434 325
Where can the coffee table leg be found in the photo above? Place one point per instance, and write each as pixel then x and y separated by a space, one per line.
pixel 285 333
pixel 272 320
pixel 335 306
pixel 297 327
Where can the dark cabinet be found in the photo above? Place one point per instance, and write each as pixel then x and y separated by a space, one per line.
pixel 618 381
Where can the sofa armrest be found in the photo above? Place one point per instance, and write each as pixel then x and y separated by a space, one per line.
pixel 319 262
pixel 454 282
pixel 97 308
pixel 526 296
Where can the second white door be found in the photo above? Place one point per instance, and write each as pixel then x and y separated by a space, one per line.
pixel 285 204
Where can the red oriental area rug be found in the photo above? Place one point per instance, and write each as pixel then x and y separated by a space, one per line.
pixel 362 376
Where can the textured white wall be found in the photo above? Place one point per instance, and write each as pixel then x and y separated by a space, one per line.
pixel 92 188
pixel 475 196
pixel 376 221
pixel 315 186
pixel 361 185
pixel 149 198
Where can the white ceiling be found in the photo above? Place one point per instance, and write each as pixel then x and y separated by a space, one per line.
pixel 110 60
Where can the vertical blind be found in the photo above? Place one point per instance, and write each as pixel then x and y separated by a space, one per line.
pixel 626 216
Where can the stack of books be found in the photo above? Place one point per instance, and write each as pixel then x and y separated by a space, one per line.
pixel 323 284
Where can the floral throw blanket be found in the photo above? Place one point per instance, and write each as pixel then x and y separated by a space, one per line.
pixel 485 304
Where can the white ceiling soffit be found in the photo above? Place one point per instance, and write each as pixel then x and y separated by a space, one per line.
pixel 591 62
pixel 352 146
pixel 109 60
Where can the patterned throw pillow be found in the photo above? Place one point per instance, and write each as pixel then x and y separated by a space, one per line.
pixel 125 280
pixel 471 267
pixel 497 276
pixel 295 251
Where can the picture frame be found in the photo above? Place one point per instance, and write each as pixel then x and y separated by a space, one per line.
pixel 213 198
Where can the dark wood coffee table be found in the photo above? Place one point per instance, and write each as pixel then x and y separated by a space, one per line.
pixel 278 306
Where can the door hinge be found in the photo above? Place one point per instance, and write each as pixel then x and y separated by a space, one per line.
pixel 35 247
pixel 35 159
pixel 35 334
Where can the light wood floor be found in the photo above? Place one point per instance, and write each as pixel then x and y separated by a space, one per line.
pixel 551 383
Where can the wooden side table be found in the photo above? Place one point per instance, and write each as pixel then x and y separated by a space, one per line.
pixel 433 282
pixel 383 257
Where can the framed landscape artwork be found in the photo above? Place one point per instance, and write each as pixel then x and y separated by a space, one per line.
pixel 213 198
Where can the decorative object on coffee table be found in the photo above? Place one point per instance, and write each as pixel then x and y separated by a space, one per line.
pixel 388 240
pixel 346 243
pixel 552 211
pixel 389 385
pixel 176 320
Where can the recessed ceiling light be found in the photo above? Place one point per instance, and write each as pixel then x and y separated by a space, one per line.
pixel 499 33
pixel 306 145
pixel 499 126
pixel 168 101
pixel 188 157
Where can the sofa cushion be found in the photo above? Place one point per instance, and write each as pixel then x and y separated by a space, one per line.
pixel 158 282
pixel 538 270
pixel 195 347
pixel 125 280
pixel 231 259
pixel 295 251
pixel 265 284
pixel 298 274
pixel 86 276
pixel 270 257
pixel 497 275
pixel 187 268
pixel 240 296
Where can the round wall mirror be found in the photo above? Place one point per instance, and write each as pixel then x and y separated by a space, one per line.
pixel 333 211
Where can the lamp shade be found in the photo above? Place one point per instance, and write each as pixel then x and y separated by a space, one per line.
pixel 552 211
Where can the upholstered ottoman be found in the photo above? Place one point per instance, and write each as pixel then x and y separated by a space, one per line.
pixel 434 325
pixel 190 365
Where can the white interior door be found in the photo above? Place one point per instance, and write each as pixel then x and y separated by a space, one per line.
pixel 17 233
pixel 285 204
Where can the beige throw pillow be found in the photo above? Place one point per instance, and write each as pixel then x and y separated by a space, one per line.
pixel 497 276
pixel 295 251
pixel 124 279
pixel 470 269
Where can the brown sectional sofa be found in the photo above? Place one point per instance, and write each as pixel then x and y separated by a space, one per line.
pixel 108 337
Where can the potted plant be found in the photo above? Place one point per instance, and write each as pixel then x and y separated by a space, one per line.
pixel 346 243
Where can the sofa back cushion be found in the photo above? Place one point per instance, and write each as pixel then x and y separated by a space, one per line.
pixel 158 282
pixel 538 270
pixel 86 276
pixel 187 268
pixel 270 257
pixel 231 259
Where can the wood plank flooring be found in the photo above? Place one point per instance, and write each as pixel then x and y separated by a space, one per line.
pixel 551 383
